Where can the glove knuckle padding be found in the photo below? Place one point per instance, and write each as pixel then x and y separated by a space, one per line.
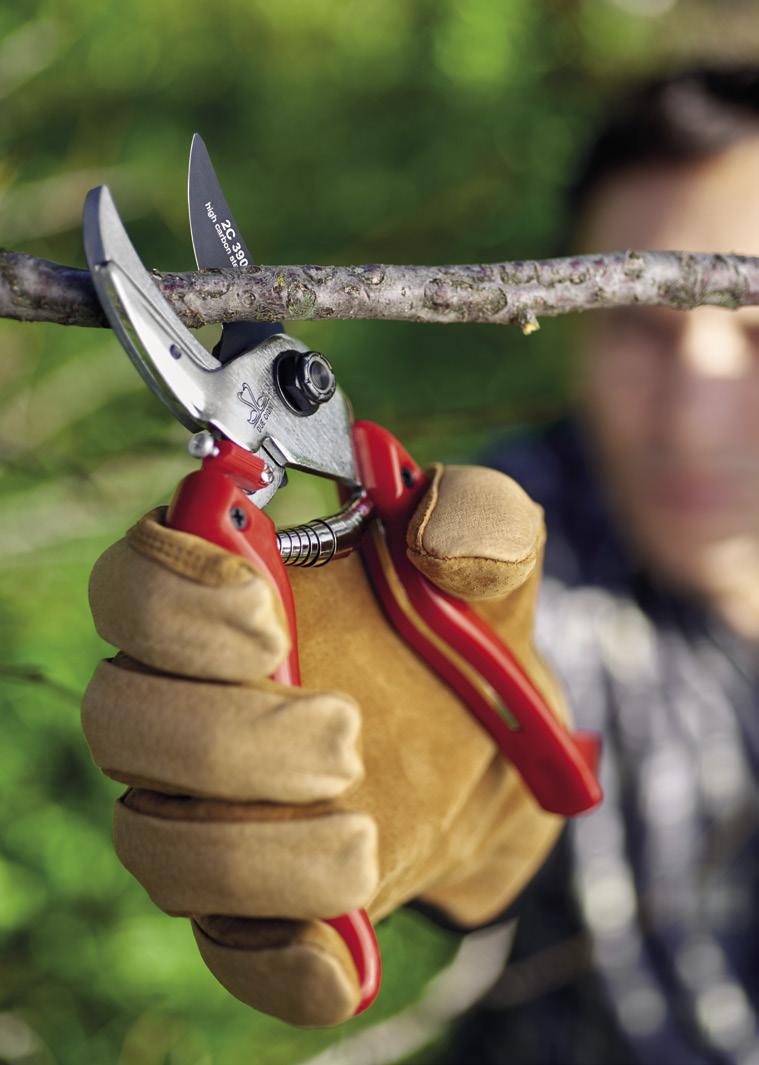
pixel 222 741
pixel 182 608
pixel 476 533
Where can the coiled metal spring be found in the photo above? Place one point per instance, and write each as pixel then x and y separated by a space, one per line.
pixel 319 541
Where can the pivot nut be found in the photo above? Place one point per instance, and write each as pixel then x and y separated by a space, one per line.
pixel 305 380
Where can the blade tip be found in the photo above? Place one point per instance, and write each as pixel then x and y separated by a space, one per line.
pixel 98 206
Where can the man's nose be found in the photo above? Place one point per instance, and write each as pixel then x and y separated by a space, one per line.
pixel 707 379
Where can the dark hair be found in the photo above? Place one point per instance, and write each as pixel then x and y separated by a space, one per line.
pixel 679 118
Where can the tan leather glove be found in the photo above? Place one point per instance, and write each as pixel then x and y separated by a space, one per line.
pixel 370 786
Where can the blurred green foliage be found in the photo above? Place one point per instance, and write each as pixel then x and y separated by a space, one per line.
pixel 407 131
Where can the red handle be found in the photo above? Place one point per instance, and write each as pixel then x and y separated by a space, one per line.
pixel 558 767
pixel 210 503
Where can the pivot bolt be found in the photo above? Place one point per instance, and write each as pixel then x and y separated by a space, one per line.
pixel 305 380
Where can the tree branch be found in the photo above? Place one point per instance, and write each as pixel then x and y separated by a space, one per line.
pixel 35 290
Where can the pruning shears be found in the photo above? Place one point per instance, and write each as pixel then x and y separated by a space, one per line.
pixel 263 402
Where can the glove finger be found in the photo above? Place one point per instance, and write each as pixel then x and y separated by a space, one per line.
pixel 476 533
pixel 268 742
pixel 200 856
pixel 299 971
pixel 185 606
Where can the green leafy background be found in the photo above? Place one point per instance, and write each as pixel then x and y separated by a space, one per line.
pixel 344 132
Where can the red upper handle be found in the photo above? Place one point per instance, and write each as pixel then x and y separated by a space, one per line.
pixel 558 768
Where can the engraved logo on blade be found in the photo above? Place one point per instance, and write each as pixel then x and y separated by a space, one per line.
pixel 233 248
pixel 260 408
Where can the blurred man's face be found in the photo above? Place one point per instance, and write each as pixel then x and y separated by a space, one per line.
pixel 671 398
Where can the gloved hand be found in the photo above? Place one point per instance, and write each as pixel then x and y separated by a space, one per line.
pixel 370 786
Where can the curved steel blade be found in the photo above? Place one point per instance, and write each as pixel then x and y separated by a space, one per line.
pixel 217 242
pixel 240 399
pixel 166 354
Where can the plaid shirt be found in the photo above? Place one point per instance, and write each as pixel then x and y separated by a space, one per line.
pixel 639 941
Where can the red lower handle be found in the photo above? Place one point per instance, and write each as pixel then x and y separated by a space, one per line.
pixel 209 503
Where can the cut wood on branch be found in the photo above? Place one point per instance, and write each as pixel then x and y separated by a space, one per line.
pixel 510 293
